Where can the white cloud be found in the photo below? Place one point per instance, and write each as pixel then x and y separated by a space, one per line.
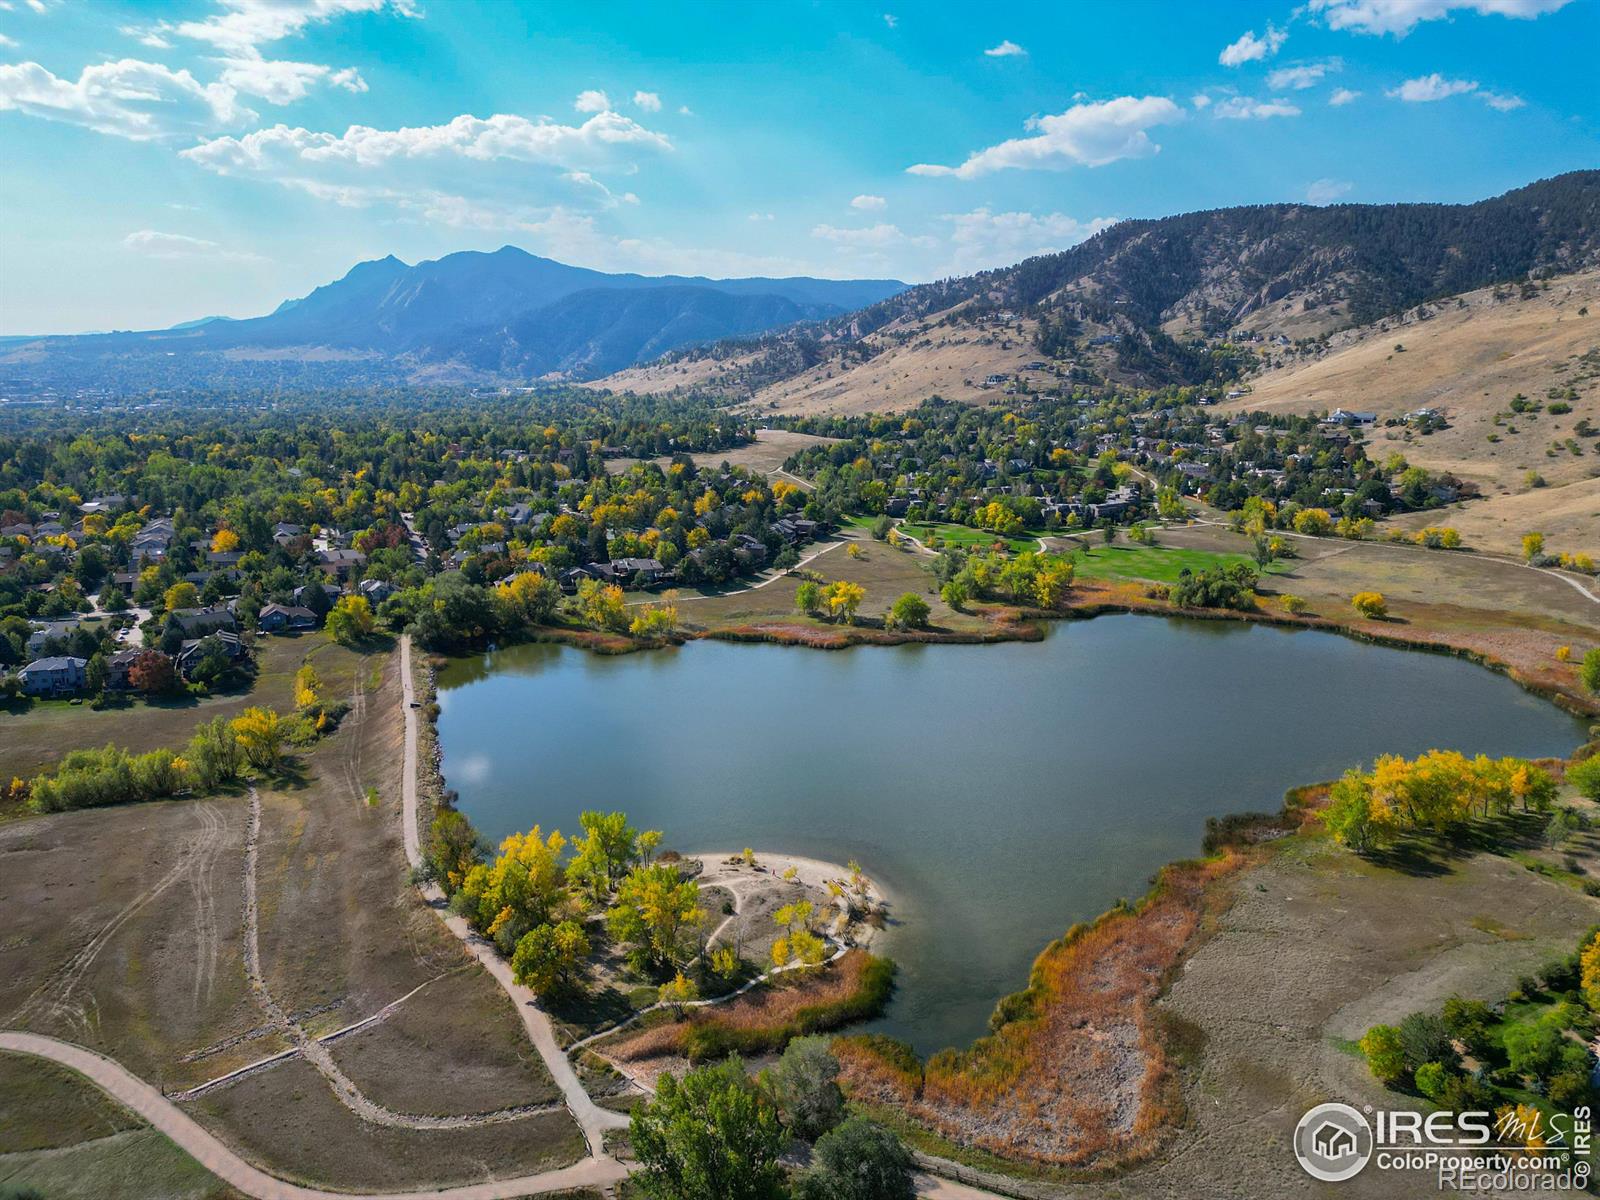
pixel 761 216
pixel 127 98
pixel 178 245
pixel 1343 96
pixel 1091 135
pixel 1243 108
pixel 1006 49
pixel 1427 88
pixel 278 81
pixel 870 237
pixel 245 24
pixel 869 203
pixel 1301 76
pixel 1200 100
pixel 1326 191
pixel 649 101
pixel 1502 102
pixel 501 136
pixel 592 101
pixel 6 41
pixel 890 20
pixel 685 111
pixel 1250 48
pixel 38 6
pixel 1400 17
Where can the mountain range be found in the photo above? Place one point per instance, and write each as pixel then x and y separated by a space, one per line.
pixel 507 314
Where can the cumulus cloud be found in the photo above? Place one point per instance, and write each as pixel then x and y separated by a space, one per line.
pixel 1089 134
pixel 278 81
pixel 1244 108
pixel 1400 17
pixel 1302 75
pixel 869 203
pixel 1006 49
pixel 177 245
pixel 127 98
pixel 1342 96
pixel 1428 88
pixel 1326 191
pixel 592 101
pixel 1200 100
pixel 1250 48
pixel 648 101
pixel 872 237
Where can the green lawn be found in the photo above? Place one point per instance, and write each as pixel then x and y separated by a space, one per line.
pixel 969 538
pixel 1158 564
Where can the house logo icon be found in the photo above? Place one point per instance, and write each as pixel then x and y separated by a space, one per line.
pixel 1333 1142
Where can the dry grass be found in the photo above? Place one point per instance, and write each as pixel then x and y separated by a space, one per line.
pixel 1076 1072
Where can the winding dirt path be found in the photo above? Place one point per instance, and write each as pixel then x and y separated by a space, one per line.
pixel 591 1118
pixel 133 1093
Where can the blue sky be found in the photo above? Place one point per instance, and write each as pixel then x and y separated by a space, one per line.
pixel 170 161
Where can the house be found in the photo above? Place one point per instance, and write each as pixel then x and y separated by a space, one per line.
pixel 283 532
pixel 198 622
pixel 275 618
pixel 54 676
pixel 750 552
pixel 646 572
pixel 341 562
pixel 194 649
pixel 331 591
pixel 121 663
pixel 1343 417
pixel 47 631
pixel 104 504
pixel 896 506
pixel 376 590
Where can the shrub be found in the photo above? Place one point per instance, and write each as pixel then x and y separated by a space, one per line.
pixel 910 611
pixel 1430 1079
pixel 1370 604
pixel 1292 604
pixel 1589 672
pixel 860 1160
pixel 805 1085
pixel 1424 1038
pixel 1585 776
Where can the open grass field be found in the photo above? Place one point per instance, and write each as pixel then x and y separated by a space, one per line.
pixel 138 1164
pixel 34 736
pixel 939 534
pixel 124 931
pixel 766 454
pixel 1158 564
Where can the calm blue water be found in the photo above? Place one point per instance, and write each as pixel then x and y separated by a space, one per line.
pixel 1000 793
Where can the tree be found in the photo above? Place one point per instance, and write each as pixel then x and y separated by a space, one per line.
pixel 677 993
pixel 654 906
pixel 1589 672
pixel 152 673
pixel 910 611
pixel 860 1160
pixel 214 754
pixel 1589 973
pixel 710 1134
pixel 1370 604
pixel 350 620
pixel 180 595
pixel 307 688
pixel 1385 1057
pixel 224 541
pixel 609 847
pixel 808 596
pixel 260 733
pixel 549 958
pixel 524 887
pixel 1585 776
pixel 1292 604
pixel 530 597
pixel 1532 546
pixel 805 1085
pixel 1425 1038
pixel 113 598
pixel 95 672
pixel 1051 584
pixel 452 848
pixel 798 944
pixel 955 594
pixel 1313 521
pixel 602 605
pixel 843 599
pixel 655 621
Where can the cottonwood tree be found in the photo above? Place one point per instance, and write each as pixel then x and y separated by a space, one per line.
pixel 654 909
pixel 711 1134
pixel 549 958
pixel 261 734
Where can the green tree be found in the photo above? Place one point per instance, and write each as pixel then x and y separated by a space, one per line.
pixel 860 1160
pixel 808 596
pixel 910 611
pixel 955 594
pixel 710 1134
pixel 609 847
pixel 805 1085
pixel 1585 776
pixel 653 910
pixel 549 958
pixel 1386 1058
pixel 1589 672
pixel 350 620
pixel 214 753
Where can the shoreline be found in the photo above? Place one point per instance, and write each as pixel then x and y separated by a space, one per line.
pixel 813 872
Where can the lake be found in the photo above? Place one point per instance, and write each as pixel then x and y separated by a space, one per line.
pixel 1000 793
